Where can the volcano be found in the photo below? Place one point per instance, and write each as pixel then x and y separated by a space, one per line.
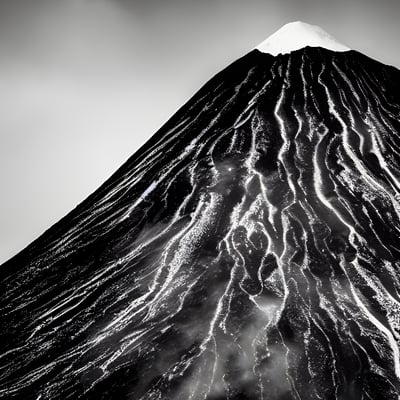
pixel 249 250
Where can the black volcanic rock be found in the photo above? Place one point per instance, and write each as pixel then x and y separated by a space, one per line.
pixel 249 250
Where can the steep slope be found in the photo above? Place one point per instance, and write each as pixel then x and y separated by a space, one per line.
pixel 250 250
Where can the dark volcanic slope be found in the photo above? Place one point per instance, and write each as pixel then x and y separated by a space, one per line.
pixel 250 250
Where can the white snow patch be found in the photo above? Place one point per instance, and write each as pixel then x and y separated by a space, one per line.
pixel 297 35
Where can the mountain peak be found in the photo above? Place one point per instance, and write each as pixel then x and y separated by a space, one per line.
pixel 297 35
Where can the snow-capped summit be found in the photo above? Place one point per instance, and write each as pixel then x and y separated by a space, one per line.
pixel 297 35
pixel 228 253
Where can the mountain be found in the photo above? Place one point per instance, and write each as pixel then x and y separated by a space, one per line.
pixel 249 250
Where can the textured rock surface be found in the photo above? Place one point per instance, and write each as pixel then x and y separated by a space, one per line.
pixel 250 250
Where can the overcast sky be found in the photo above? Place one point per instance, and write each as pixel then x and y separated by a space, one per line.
pixel 83 83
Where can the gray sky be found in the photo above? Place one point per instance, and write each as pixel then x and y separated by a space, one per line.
pixel 83 83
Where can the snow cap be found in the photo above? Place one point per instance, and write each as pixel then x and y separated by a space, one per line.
pixel 297 35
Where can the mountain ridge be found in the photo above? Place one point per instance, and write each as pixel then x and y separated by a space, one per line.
pixel 261 259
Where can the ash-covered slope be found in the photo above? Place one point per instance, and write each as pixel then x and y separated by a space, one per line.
pixel 250 250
